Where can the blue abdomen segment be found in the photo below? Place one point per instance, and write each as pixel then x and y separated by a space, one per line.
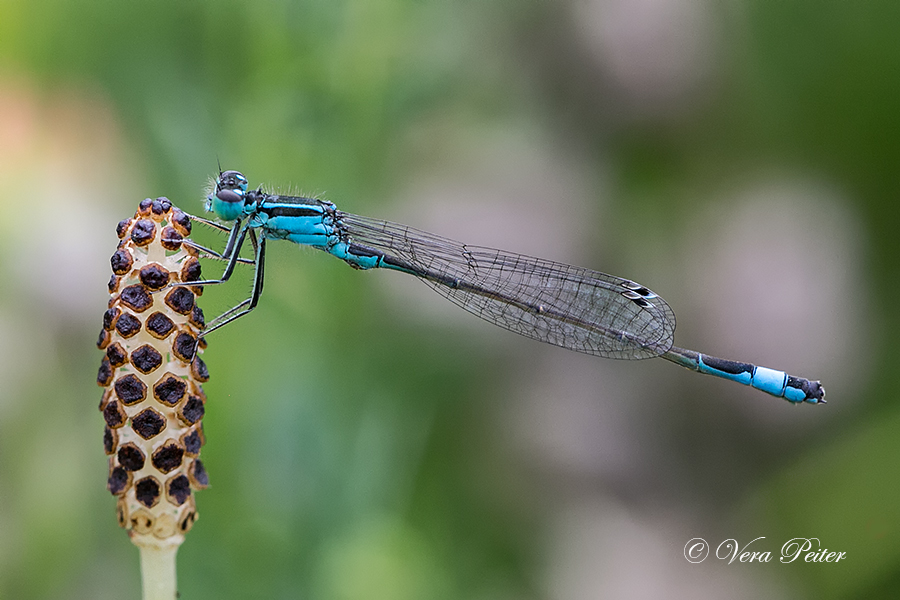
pixel 777 383
pixel 767 380
pixel 357 256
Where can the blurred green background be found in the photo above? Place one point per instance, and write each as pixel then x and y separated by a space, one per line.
pixel 368 440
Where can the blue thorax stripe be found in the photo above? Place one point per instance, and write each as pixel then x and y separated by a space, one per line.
pixel 302 220
pixel 279 209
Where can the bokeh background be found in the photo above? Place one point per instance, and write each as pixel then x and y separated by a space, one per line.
pixel 368 440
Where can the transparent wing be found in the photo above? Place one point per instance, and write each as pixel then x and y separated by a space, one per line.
pixel 575 308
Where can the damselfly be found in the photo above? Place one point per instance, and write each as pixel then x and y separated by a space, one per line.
pixel 571 307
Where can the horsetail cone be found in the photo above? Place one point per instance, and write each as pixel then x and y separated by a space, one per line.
pixel 152 400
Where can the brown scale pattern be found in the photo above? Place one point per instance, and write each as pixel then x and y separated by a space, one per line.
pixel 152 401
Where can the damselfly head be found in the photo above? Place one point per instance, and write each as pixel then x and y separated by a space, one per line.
pixel 227 200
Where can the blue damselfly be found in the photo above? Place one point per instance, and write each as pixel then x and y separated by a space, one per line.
pixel 571 307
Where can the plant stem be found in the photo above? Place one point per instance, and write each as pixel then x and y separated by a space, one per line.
pixel 158 572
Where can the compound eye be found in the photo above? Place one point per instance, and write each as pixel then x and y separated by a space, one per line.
pixel 229 196
pixel 233 180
